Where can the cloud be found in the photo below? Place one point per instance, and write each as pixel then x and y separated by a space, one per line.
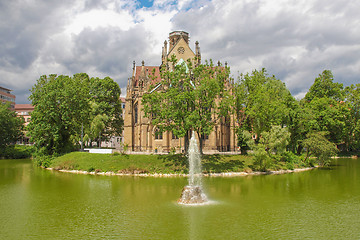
pixel 294 40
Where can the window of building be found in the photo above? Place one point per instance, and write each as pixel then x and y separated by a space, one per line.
pixel 174 136
pixel 158 134
pixel 136 114
pixel 204 136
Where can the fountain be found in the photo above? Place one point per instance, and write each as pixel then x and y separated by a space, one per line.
pixel 193 193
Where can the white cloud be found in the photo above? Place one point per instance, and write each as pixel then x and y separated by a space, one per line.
pixel 100 18
pixel 295 40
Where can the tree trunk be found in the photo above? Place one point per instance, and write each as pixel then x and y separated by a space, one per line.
pixel 186 144
pixel 299 149
pixel 201 143
pixel 99 144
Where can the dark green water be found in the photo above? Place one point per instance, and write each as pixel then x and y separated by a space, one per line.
pixel 40 204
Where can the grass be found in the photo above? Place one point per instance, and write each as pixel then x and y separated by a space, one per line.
pixel 148 163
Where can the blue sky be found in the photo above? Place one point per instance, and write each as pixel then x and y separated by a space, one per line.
pixel 144 3
pixel 294 40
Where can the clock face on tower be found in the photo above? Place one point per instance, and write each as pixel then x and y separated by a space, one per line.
pixel 181 50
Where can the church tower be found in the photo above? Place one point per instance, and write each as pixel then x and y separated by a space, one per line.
pixel 179 46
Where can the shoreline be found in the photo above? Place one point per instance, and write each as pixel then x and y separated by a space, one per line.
pixel 224 174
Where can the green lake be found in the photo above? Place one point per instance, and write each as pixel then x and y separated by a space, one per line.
pixel 41 204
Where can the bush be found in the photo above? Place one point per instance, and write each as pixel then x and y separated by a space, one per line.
pixel 17 152
pixel 43 160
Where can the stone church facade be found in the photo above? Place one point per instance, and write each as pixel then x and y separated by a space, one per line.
pixel 139 133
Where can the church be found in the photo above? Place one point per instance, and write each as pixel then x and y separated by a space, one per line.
pixel 139 133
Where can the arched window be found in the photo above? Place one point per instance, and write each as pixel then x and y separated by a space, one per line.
pixel 158 135
pixel 136 113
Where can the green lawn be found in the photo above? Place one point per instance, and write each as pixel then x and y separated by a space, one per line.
pixel 148 163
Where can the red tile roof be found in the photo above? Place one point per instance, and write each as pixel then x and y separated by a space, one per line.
pixel 148 71
pixel 24 106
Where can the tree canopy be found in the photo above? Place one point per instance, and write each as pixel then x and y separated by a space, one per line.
pixel 11 126
pixel 261 101
pixel 189 99
pixel 63 104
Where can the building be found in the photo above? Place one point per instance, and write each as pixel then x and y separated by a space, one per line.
pixel 139 133
pixel 24 110
pixel 6 96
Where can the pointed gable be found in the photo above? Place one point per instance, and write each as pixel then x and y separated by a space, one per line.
pixel 181 50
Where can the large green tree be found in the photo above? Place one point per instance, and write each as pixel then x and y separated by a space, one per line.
pixel 63 105
pixel 60 108
pixel 352 96
pixel 105 109
pixel 327 108
pixel 324 86
pixel 188 98
pixel 11 126
pixel 261 101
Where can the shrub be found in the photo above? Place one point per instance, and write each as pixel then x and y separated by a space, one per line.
pixel 17 152
pixel 43 161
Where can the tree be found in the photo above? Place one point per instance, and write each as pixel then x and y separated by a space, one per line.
pixel 261 101
pixel 62 105
pixel 97 126
pixel 189 99
pixel 270 146
pixel 329 112
pixel 353 121
pixel 325 87
pixel 11 126
pixel 105 100
pixel 317 144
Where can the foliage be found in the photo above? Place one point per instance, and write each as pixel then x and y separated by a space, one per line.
pixel 242 141
pixel 330 110
pixel 11 126
pixel 325 87
pixel 352 139
pixel 17 152
pixel 43 160
pixel 270 148
pixel 63 104
pixel 105 107
pixel 189 99
pixel 60 104
pixel 317 144
pixel 261 101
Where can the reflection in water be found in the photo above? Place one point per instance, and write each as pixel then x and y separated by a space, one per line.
pixel 40 204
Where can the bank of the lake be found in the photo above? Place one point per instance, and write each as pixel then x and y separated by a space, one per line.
pixel 163 165
pixel 38 204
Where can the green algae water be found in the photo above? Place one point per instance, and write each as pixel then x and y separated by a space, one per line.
pixel 41 204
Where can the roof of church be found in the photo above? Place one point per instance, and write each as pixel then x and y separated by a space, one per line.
pixel 149 70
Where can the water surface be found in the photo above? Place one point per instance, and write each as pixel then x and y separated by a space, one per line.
pixel 41 204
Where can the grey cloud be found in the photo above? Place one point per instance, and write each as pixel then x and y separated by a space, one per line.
pixel 245 37
pixel 24 28
pixel 108 50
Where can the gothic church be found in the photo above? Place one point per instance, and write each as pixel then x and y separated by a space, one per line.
pixel 139 133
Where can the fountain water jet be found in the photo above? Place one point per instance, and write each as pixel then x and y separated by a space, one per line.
pixel 193 193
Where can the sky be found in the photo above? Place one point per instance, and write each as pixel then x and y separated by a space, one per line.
pixel 295 40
